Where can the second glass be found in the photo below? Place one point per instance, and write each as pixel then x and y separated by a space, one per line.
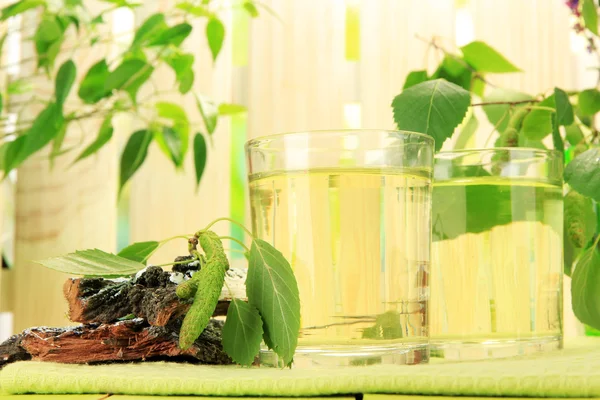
pixel 351 211
pixel 497 261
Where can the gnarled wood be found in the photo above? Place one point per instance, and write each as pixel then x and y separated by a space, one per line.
pixel 132 340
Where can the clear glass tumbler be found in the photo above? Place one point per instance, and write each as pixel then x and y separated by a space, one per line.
pixel 497 253
pixel 351 211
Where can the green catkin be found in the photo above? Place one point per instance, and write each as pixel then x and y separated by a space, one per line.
pixel 207 295
pixel 508 138
pixel 213 248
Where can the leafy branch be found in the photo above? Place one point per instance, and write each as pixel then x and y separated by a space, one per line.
pixel 437 104
pixel 110 87
pixel 272 312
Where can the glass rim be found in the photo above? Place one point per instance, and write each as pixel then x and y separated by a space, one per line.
pixel 255 142
pixel 531 150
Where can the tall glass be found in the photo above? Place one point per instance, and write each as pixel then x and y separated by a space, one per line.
pixel 497 253
pixel 351 211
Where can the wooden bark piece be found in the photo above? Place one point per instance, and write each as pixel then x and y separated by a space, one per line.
pixel 151 296
pixel 132 340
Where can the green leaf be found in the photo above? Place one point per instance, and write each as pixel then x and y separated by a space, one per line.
pixel 388 326
pixel 153 26
pixel 199 157
pixel 48 30
pixel 104 135
pixel 173 140
pixel 583 173
pixel 460 209
pixel 91 89
pixel 197 11
pixel 433 107
pixel 173 112
pixel 414 78
pixel 99 19
pixel 231 109
pixel 557 140
pixel 19 86
pixel 215 33
pixel 129 76
pixel 585 287
pixel 20 7
pixel 251 8
pixel 589 102
pixel 498 114
pixel 466 133
pixel 170 142
pixel 579 219
pixel 44 128
pixel 537 124
pixel 52 53
pixel 242 332
pixel 209 112
pixel 182 64
pixel 1 106
pixel 92 263
pixel 186 82
pixel 64 81
pixel 574 134
pixel 13 154
pixel 174 35
pixel 123 3
pixel 272 288
pixel 590 15
pixel 134 154
pixel 478 85
pixel 453 66
pixel 564 109
pixel 484 58
pixel 454 72
pixel 57 143
pixel 138 251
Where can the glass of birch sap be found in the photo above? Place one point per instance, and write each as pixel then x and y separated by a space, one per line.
pixel 497 253
pixel 351 211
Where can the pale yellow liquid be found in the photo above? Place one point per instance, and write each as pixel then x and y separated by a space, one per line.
pixel 358 242
pixel 496 292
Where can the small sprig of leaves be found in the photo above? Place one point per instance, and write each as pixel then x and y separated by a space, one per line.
pixel 271 314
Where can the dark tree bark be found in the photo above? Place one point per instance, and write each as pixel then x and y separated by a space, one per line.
pixel 152 297
pixel 132 340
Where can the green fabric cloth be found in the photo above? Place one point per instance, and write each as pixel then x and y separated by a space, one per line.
pixel 573 372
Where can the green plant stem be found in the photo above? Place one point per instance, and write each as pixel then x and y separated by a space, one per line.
pixel 186 237
pixel 225 219
pixel 235 251
pixel 162 243
pixel 235 240
pixel 510 103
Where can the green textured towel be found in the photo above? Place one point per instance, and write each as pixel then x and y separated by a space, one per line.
pixel 574 372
